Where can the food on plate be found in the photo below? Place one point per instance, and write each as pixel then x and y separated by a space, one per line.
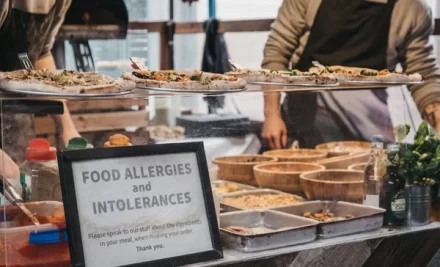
pixel 65 82
pixel 117 140
pixel 343 73
pixel 261 201
pixel 285 77
pixel 249 231
pixel 325 216
pixel 163 131
pixel 184 79
pixel 225 188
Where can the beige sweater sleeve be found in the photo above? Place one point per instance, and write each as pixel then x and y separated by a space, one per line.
pixel 285 33
pixel 418 56
pixel 61 9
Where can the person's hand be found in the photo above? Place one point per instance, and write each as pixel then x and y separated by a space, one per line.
pixel 275 132
pixel 432 116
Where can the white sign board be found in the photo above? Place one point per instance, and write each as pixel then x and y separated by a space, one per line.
pixel 140 209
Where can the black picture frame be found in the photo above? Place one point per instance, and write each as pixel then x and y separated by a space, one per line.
pixel 65 160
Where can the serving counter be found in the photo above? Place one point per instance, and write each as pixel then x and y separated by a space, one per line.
pixel 400 246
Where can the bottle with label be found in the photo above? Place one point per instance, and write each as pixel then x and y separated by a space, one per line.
pixel 38 154
pixel 393 194
pixel 374 173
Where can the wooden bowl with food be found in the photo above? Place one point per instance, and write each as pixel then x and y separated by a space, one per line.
pixel 297 155
pixel 343 148
pixel 357 167
pixel 339 185
pixel 240 168
pixel 283 176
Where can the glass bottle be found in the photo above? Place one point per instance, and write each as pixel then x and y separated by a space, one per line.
pixel 374 173
pixel 393 194
pixel 38 154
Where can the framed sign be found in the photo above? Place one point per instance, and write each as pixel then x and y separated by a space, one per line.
pixel 139 206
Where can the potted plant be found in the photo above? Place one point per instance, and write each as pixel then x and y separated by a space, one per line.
pixel 419 165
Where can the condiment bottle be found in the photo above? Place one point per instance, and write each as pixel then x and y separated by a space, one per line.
pixel 373 173
pixel 38 154
pixel 393 194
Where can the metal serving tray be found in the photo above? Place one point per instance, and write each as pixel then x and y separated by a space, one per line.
pixel 229 208
pixel 297 84
pixel 365 218
pixel 85 95
pixel 382 82
pixel 247 188
pixel 206 91
pixel 292 230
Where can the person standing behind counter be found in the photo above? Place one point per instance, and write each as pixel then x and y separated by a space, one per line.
pixel 376 34
pixel 30 26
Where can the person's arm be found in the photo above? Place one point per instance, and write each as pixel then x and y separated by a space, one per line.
pixel 418 57
pixel 64 122
pixel 283 40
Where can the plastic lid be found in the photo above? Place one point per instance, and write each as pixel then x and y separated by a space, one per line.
pixel 49 236
pixel 77 143
pixel 40 149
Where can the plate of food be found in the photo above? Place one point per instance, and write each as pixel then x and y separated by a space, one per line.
pixel 65 83
pixel 281 78
pixel 185 81
pixel 258 199
pixel 354 75
pixel 225 187
pixel 337 218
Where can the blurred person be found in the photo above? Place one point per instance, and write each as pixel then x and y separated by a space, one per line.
pixel 376 34
pixel 30 26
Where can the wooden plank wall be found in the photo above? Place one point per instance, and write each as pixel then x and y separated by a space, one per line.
pixel 160 27
pixel 94 118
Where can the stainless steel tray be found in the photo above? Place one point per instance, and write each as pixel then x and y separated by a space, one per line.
pixel 365 218
pixel 297 84
pixel 293 230
pixel 229 208
pixel 199 91
pixel 41 93
pixel 246 188
pixel 381 82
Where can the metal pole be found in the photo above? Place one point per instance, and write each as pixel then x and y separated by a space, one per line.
pixel 170 36
pixel 211 8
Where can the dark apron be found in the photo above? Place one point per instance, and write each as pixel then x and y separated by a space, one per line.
pixel 349 33
pixel 21 32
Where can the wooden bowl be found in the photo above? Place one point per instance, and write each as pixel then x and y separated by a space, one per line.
pixel 343 162
pixel 339 185
pixel 342 148
pixel 240 169
pixel 283 176
pixel 357 167
pixel 297 155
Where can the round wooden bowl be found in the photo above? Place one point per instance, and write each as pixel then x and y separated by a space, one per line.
pixel 283 176
pixel 345 147
pixel 297 155
pixel 240 169
pixel 357 167
pixel 343 162
pixel 339 185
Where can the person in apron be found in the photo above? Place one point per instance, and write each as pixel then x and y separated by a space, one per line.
pixel 348 33
pixel 29 26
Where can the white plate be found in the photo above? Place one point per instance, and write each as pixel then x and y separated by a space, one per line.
pixel 296 84
pixel 41 93
pixel 200 91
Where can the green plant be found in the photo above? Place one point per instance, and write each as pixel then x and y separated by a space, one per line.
pixel 419 164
